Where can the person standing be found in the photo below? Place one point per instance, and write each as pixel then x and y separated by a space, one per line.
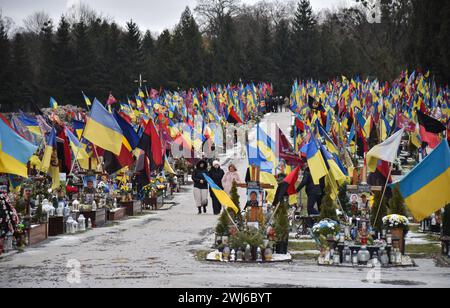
pixel 230 177
pixel 200 186
pixel 314 192
pixel 216 174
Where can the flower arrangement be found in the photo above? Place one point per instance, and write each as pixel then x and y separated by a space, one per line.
pixel 326 228
pixel 124 189
pixel 395 221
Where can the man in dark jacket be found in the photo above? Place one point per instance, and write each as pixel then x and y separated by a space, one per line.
pixel 200 186
pixel 314 192
pixel 216 174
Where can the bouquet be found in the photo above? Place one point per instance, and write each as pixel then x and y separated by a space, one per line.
pixel 395 221
pixel 326 228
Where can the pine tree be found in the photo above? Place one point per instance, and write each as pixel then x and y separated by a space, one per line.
pixel 328 206
pixel 283 57
pixel 446 221
pixel 164 60
pixel 5 59
pixel 266 65
pixel 397 203
pixel 189 51
pixel 223 226
pixel 235 195
pixel 132 48
pixel 63 57
pixel 21 76
pixel 148 51
pixel 281 222
pixel 344 199
pixel 378 224
pixel 305 40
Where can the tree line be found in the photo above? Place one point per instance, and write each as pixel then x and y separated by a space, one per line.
pixel 220 41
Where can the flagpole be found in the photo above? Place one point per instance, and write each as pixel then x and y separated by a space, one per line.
pixel 382 196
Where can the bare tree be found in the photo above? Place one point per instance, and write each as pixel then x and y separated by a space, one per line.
pixel 36 21
pixel 81 12
pixel 212 13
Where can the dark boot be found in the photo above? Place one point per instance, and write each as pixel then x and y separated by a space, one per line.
pixel 199 211
pixel 204 209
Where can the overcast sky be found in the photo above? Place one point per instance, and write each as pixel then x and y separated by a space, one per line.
pixel 155 15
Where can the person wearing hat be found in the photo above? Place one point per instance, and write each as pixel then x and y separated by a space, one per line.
pixel 216 174
pixel 200 186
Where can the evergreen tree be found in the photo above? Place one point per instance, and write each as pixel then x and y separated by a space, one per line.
pixel 344 199
pixel 63 57
pixel 47 64
pixel 328 206
pixel 5 58
pixel 132 54
pixel 266 64
pixel 382 212
pixel 305 40
pixel 83 63
pixel 446 221
pixel 164 61
pixel 148 51
pixel 283 57
pixel 281 222
pixel 21 76
pixel 189 51
pixel 397 203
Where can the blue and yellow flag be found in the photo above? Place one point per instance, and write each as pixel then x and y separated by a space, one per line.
pixel 86 100
pixel 49 147
pixel 102 129
pixel 15 151
pixel 79 152
pixel 425 188
pixel 53 103
pixel 221 195
pixel 316 162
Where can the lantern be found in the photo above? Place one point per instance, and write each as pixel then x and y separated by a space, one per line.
pixel 81 223
pixel 363 255
pixel 226 254
pixel 259 255
pixel 69 225
pixel 75 205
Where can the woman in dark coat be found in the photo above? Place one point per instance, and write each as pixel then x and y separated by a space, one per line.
pixel 216 174
pixel 200 186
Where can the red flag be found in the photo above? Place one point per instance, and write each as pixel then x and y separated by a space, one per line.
pixel 111 100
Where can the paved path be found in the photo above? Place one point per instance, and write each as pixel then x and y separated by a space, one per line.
pixel 158 250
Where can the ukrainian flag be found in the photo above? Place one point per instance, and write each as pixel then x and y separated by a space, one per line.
pixel 267 146
pixel 78 150
pixel 425 188
pixel 53 103
pixel 102 129
pixel 50 146
pixel 221 195
pixel 15 151
pixel 316 162
pixel 86 100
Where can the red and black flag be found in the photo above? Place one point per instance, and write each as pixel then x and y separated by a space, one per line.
pixel 150 143
pixel 233 117
pixel 287 187
pixel 430 128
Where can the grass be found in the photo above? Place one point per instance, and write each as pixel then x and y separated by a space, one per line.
pixel 306 256
pixel 302 246
pixel 421 251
